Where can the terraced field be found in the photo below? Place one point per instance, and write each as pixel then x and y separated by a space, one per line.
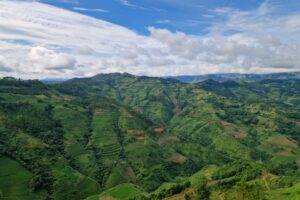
pixel 105 128
pixel 120 136
pixel 122 191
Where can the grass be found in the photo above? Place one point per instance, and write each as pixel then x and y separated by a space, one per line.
pixel 281 140
pixel 115 178
pixel 164 186
pixel 231 147
pixel 68 181
pixel 283 159
pixel 205 172
pixel 104 128
pixel 14 181
pixel 120 192
pixel 293 193
pixel 75 122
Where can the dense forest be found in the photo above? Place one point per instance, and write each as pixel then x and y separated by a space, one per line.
pixel 119 136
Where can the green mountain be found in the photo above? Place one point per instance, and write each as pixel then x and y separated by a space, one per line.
pixel 239 77
pixel 119 136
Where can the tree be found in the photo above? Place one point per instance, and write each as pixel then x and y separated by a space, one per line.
pixel 250 192
pixel 187 197
pixel 203 191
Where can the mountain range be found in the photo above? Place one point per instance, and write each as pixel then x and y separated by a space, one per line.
pixel 120 136
pixel 239 77
pixel 216 77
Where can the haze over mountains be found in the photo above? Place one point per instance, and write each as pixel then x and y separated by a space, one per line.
pixel 218 77
pixel 239 77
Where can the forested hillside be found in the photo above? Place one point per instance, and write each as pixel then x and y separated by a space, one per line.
pixel 119 136
pixel 239 77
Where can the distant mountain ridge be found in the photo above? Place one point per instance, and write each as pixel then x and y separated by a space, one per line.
pixel 238 77
pixel 215 77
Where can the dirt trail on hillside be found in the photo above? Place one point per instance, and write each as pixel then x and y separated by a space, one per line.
pixel 221 196
pixel 266 183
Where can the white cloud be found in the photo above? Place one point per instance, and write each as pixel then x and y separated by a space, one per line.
pixel 38 40
pixel 90 10
pixel 127 3
pixel 164 21
pixel 41 57
pixel 135 6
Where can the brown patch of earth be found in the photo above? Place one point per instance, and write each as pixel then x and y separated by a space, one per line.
pixel 222 196
pixel 197 91
pixel 286 152
pixel 181 195
pixel 135 132
pixel 129 174
pixel 142 138
pixel 178 158
pixel 266 183
pixel 282 141
pixel 100 111
pixel 159 130
pixel 234 130
pixel 166 139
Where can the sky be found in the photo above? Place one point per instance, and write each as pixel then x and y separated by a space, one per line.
pixel 79 38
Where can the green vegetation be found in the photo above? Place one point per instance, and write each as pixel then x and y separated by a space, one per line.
pixel 118 136
pixel 122 191
pixel 15 181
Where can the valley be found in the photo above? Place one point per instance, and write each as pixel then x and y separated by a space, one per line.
pixel 120 136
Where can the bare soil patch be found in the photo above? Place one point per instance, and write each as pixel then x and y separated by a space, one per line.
pixel 129 174
pixel 234 130
pixel 285 152
pixel 266 183
pixel 159 130
pixel 178 158
pixel 135 132
pixel 100 111
pixel 282 141
pixel 222 196
pixel 142 138
pixel 167 139
pixel 181 195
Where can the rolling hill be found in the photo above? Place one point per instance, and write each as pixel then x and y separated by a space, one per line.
pixel 119 136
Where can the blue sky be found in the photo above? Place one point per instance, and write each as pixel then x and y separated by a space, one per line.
pixel 67 38
pixel 189 16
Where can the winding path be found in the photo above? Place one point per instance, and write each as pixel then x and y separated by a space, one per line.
pixel 221 196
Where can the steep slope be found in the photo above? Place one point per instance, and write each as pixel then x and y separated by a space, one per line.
pixel 85 136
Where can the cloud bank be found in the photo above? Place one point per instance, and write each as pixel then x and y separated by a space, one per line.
pixel 38 40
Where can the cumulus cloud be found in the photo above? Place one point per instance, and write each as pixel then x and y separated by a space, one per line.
pixel 3 66
pixel 41 57
pixel 38 40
